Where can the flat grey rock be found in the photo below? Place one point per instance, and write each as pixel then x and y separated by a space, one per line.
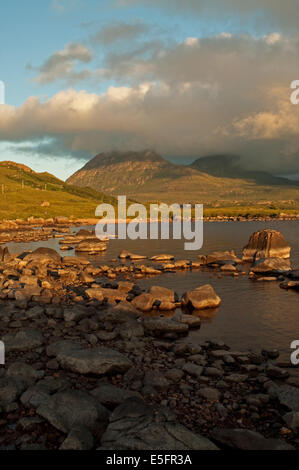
pixel 135 425
pixel 72 408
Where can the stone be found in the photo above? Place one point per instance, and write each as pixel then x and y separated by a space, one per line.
pixel 286 395
pixel 162 257
pixel 266 244
pixel 292 420
pixel 164 326
pixel 244 439
pixel 97 361
pixel 144 302
pixel 43 255
pixel 201 298
pixel 24 340
pixel 193 369
pixel 210 394
pixel 111 396
pixel 271 266
pixel 79 438
pixel 135 425
pixel 72 408
pixel 156 380
pixel 25 372
pixel 162 294
pixel 10 390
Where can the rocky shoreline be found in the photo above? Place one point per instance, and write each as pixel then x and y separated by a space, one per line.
pixel 93 362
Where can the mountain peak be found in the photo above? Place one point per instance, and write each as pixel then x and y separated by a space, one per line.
pixel 116 157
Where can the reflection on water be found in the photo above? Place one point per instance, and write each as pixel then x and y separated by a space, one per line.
pixel 252 314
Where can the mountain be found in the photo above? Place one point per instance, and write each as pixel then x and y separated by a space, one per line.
pixel 229 166
pixel 117 172
pixel 220 183
pixel 25 193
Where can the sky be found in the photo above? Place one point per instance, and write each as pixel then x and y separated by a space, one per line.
pixel 185 78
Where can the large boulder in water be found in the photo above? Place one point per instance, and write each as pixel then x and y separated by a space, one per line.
pixel 271 266
pixel 201 298
pixel 266 244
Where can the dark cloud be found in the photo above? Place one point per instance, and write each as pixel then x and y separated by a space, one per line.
pixel 120 32
pixel 61 65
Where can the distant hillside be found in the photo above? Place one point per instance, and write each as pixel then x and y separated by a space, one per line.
pixel 229 166
pixel 221 185
pixel 23 192
pixel 128 172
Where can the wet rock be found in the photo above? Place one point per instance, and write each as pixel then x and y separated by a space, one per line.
pixel 162 294
pixel 134 425
pixel 72 408
pixel 80 438
pixel 244 439
pixel 92 246
pixel 266 244
pixel 24 340
pixel 144 302
pixel 275 372
pixel 162 257
pixel 222 257
pixel 164 326
pixel 271 266
pixel 201 298
pixel 294 285
pixel 191 320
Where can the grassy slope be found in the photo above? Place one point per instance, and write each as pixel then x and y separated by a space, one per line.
pixel 22 192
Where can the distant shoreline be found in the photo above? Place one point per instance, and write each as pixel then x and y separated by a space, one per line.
pixel 64 221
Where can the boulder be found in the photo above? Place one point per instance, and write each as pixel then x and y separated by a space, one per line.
pixel 111 396
pixel 24 340
pixel 72 408
pixel 271 266
pixel 244 439
pixel 266 244
pixel 79 438
pixel 164 326
pixel 97 361
pixel 201 298
pixel 144 302
pixel 43 255
pixel 162 258
pixel 91 246
pixel 162 294
pixel 220 257
pixel 135 425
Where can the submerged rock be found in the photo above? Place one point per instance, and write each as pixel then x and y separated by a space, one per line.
pixel 266 244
